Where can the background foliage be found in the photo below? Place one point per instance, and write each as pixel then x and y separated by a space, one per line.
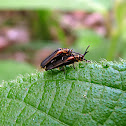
pixel 46 16
pixel 10 69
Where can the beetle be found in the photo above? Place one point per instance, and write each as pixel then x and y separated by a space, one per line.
pixel 60 52
pixel 67 59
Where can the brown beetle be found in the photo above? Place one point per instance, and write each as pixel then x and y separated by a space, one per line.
pixel 66 60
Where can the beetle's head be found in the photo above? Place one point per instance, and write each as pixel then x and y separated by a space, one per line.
pixel 81 57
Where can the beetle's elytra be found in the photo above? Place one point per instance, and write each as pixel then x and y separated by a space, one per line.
pixel 56 54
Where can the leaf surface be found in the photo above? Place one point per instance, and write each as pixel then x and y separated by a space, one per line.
pixel 91 94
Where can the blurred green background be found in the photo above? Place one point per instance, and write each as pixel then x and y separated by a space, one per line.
pixel 30 31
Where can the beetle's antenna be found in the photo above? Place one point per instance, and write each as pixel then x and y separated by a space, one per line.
pixel 86 51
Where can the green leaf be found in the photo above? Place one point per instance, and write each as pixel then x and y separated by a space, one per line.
pixel 91 94
pixel 89 5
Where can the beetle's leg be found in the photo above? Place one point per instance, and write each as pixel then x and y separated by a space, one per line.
pixel 63 69
pixel 87 61
pixel 73 66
